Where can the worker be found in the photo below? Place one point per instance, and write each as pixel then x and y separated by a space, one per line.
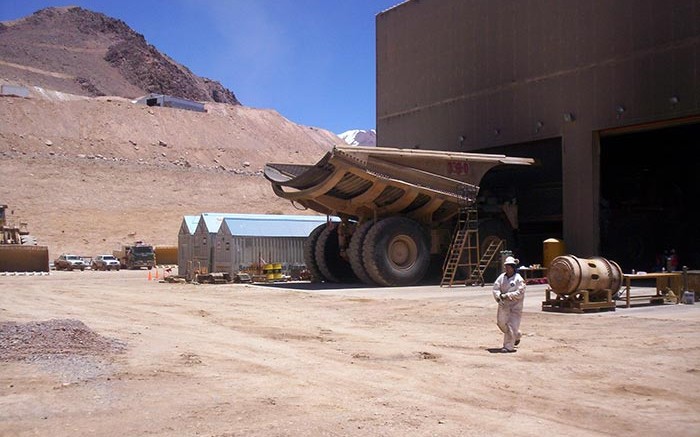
pixel 509 292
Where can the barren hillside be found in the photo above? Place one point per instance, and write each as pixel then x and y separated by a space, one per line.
pixel 88 53
pixel 88 171
pixel 87 174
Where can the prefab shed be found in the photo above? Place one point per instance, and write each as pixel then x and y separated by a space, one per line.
pixel 170 102
pixel 245 239
pixel 204 239
pixel 185 242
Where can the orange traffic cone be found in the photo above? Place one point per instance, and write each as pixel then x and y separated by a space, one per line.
pixel 156 273
pixel 149 275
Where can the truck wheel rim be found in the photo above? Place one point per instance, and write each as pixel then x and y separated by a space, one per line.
pixel 403 252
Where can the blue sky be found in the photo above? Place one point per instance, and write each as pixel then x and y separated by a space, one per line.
pixel 311 60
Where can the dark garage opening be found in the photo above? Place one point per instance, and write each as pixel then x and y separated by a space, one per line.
pixel 649 189
pixel 537 191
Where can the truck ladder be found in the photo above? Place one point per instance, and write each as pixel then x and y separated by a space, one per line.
pixel 465 238
pixel 477 275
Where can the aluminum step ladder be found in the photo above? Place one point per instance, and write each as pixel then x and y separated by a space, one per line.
pixel 464 239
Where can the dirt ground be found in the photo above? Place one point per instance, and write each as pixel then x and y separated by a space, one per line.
pixel 112 353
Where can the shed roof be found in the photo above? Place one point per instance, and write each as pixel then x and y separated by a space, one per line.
pixel 191 222
pixel 212 220
pixel 260 225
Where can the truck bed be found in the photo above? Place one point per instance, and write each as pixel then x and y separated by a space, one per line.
pixel 375 182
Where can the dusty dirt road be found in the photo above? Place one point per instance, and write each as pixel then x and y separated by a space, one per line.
pixel 113 354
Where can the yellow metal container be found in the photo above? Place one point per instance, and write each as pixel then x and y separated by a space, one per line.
pixel 551 248
pixel 166 254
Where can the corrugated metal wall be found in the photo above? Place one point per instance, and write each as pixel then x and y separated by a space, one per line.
pixel 469 75
pixel 233 253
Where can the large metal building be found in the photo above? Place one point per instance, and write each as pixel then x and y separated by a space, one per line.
pixel 604 94
pixel 228 242
pixel 247 239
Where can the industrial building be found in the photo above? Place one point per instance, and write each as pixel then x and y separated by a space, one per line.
pixel 603 94
pixel 229 243
pixel 170 102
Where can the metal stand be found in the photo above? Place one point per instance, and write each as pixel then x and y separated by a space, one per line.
pixel 579 302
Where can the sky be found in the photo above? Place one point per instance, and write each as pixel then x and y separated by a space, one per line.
pixel 311 60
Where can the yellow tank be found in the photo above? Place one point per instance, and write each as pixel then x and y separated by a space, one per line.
pixel 551 248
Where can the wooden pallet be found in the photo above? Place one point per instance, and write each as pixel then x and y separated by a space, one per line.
pixel 579 302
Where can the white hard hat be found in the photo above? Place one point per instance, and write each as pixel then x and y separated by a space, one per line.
pixel 510 260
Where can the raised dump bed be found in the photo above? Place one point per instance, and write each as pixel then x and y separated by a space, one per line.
pixel 393 205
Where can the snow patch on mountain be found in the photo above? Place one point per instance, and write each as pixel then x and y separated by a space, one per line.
pixel 360 137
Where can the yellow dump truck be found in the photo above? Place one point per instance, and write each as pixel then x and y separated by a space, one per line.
pixel 397 208
pixel 19 251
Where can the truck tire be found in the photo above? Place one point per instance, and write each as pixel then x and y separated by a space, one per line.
pixel 355 252
pixel 310 254
pixel 333 267
pixel 396 252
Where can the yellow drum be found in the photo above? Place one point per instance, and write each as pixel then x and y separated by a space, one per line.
pixel 551 248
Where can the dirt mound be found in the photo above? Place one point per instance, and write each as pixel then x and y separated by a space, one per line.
pixel 52 338
pixel 90 174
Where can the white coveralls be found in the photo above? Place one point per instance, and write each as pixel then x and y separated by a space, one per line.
pixel 510 308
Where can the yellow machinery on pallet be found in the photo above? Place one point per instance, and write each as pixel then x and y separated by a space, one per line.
pixel 19 251
pixel 582 285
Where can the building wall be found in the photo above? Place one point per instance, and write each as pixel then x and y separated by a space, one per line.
pixel 234 253
pixel 470 75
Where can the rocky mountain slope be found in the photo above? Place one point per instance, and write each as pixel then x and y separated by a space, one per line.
pixel 90 172
pixel 87 53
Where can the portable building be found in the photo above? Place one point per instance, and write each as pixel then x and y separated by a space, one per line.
pixel 170 102
pixel 13 90
pixel 185 242
pixel 204 239
pixel 246 239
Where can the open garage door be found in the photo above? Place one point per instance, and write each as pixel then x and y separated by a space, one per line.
pixel 537 192
pixel 649 192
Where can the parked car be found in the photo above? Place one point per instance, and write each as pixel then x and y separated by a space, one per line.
pixel 69 262
pixel 105 262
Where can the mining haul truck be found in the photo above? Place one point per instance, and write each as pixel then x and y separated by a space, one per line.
pixel 136 256
pixel 397 208
pixel 19 251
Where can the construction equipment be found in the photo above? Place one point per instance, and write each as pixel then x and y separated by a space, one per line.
pixel 397 208
pixel 582 284
pixel 19 251
pixel 136 256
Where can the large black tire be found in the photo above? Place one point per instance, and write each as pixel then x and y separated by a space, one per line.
pixel 396 252
pixel 330 263
pixel 310 254
pixel 355 252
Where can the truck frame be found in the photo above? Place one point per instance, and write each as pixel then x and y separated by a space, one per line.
pixel 397 208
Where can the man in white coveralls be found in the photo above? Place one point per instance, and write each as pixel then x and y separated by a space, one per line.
pixel 509 292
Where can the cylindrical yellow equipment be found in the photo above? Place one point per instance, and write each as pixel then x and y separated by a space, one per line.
pixel 569 274
pixel 551 248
